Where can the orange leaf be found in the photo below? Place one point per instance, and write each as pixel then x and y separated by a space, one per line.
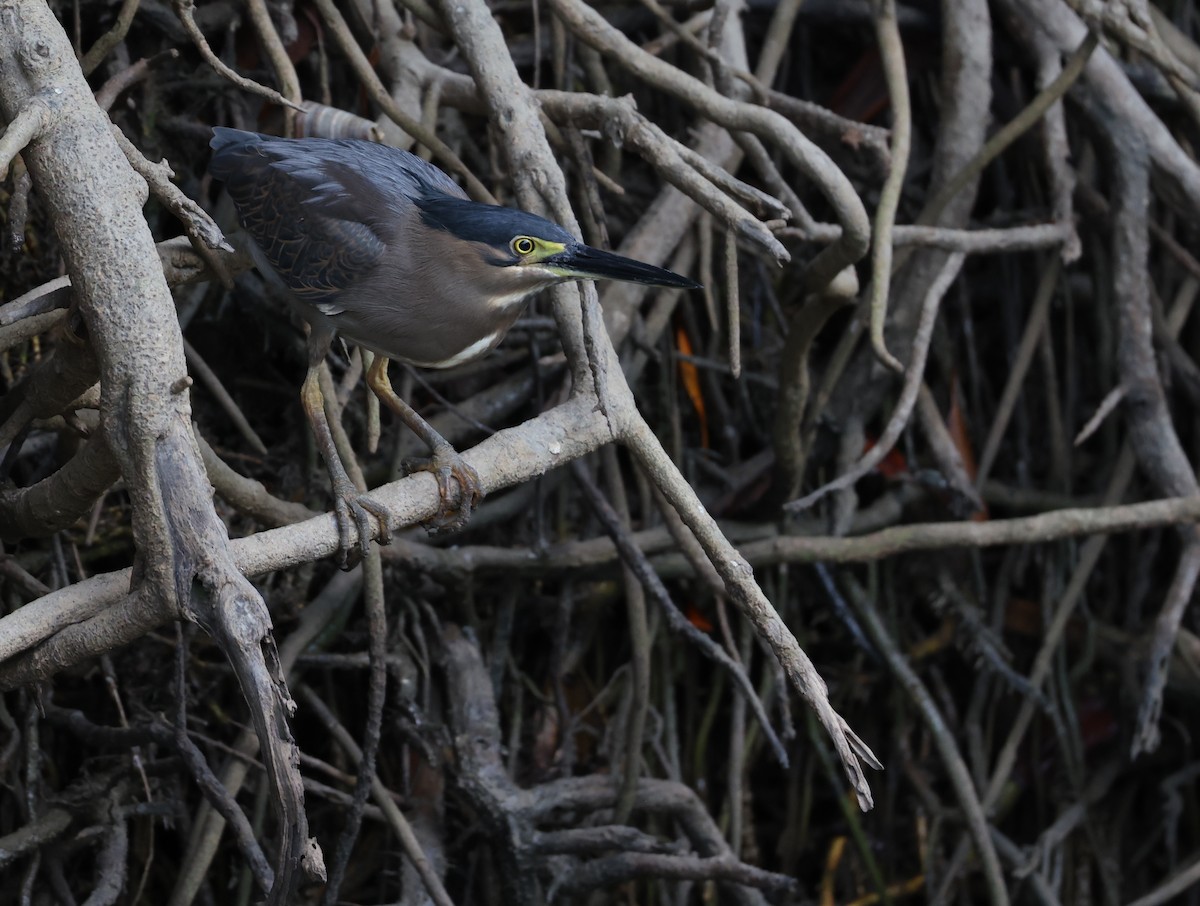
pixel 956 424
pixel 697 619
pixel 892 464
pixel 689 376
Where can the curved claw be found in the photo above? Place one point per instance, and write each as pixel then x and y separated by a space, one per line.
pixel 353 507
pixel 456 504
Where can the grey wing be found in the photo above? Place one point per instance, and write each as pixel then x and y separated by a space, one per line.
pixel 313 250
pixel 361 181
pixel 322 211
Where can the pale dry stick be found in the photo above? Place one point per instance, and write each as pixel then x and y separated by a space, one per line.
pixel 349 380
pixel 370 81
pixel 595 219
pixel 1111 400
pixel 894 541
pixel 248 496
pixel 964 177
pixel 943 739
pixel 479 37
pixel 87 602
pixel 709 53
pixel 694 24
pixel 1056 146
pixel 777 40
pixel 805 325
pixel 851 442
pixel 374 425
pixel 58 501
pixel 28 328
pixel 738 577
pixel 1105 77
pixel 202 231
pixel 285 72
pixel 1013 129
pixel 908 394
pixel 688 38
pixel 704 268
pixel 1183 47
pixel 1181 308
pixel 54 294
pixel 810 160
pixel 390 29
pixel 383 798
pixel 429 114
pixel 736 765
pixel 1152 434
pixel 18 206
pixel 757 155
pixel 983 241
pixel 688 546
pixel 21 130
pixel 111 38
pixel 186 11
pixel 891 50
pixel 965 91
pixel 728 183
pixel 733 305
pixel 1132 24
pixel 97 614
pixel 111 858
pixel 1034 325
pixel 108 93
pixel 621 122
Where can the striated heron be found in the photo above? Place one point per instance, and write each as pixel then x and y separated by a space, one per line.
pixel 373 243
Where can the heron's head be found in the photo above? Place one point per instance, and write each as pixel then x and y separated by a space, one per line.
pixel 506 254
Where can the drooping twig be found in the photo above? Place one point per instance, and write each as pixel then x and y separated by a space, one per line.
pixel 908 395
pixel 887 33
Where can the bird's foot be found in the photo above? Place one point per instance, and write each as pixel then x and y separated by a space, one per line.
pixel 353 510
pixel 455 504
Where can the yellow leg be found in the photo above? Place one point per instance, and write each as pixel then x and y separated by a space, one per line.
pixel 445 463
pixel 351 506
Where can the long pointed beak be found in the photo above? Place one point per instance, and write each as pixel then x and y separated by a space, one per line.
pixel 587 263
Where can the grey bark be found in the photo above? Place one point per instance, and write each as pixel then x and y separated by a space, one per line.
pixel 184 565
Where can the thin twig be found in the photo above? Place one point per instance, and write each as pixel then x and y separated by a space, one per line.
pixel 891 49
pixel 908 394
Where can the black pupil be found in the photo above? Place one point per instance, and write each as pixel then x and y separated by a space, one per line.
pixel 524 246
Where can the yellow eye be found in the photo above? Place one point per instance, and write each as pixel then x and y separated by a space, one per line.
pixel 522 245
